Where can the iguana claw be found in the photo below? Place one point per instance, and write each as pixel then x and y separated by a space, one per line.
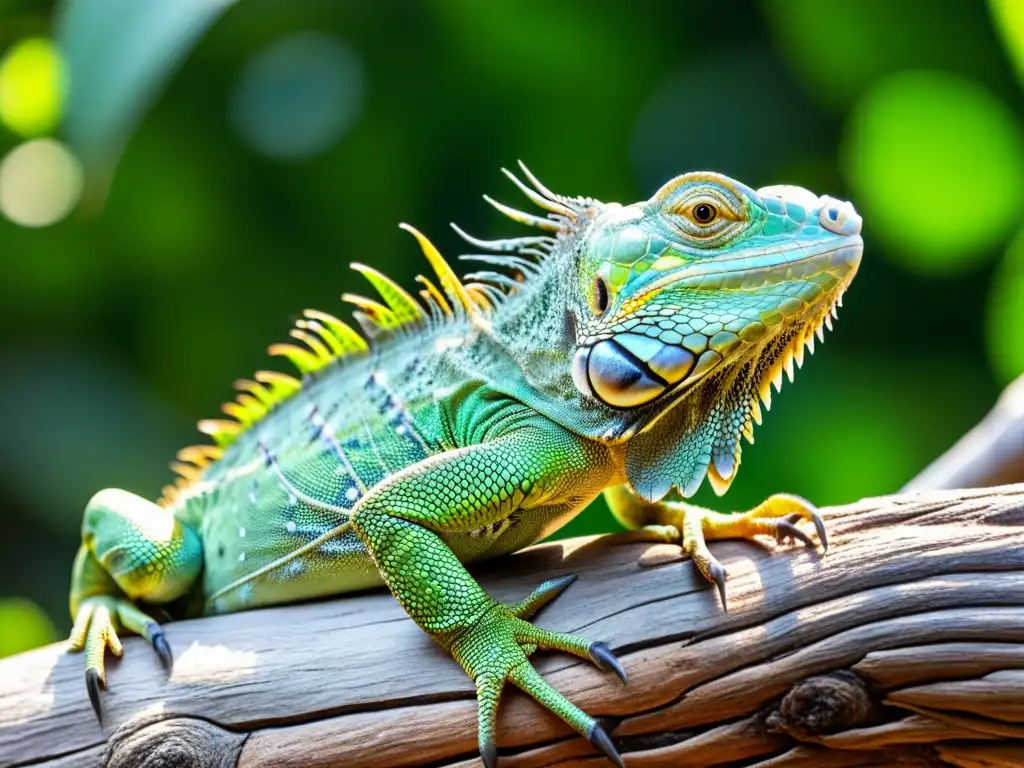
pixel 601 740
pixel 606 661
pixel 93 686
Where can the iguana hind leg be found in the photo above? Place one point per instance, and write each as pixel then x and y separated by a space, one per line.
pixel 692 526
pixel 132 550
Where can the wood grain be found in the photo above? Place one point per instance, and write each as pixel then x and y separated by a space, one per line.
pixel 904 645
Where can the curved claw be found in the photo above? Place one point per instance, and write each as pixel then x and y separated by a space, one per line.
pixel 606 661
pixel 718 576
pixel 602 741
pixel 819 526
pixel 489 753
pixel 784 530
pixel 162 648
pixel 93 685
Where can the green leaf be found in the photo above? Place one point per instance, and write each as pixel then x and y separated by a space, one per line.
pixel 119 53
pixel 1005 315
pixel 23 626
pixel 936 162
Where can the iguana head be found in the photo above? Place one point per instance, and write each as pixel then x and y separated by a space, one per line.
pixel 681 311
pixel 700 276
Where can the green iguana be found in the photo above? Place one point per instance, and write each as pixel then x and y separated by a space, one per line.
pixel 623 350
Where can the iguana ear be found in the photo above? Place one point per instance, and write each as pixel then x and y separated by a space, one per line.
pixel 698 437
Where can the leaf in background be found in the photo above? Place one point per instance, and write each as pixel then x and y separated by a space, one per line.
pixel 23 625
pixel 119 53
pixel 937 163
pixel 1005 315
pixel 1008 16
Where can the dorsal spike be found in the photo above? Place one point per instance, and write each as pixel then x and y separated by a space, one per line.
pixel 314 326
pixel 238 412
pixel 497 278
pixel 351 342
pixel 450 282
pixel 525 218
pixel 379 315
pixel 548 205
pixel 517 263
pixel 252 405
pixel 258 390
pixel 407 310
pixel 435 295
pixel 301 358
pixel 507 245
pixel 322 353
pixel 223 431
pixel 537 185
pixel 200 455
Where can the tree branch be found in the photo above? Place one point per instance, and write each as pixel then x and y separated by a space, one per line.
pixel 903 645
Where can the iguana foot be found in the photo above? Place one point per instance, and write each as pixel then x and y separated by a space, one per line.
pixel 95 631
pixel 494 651
pixel 776 516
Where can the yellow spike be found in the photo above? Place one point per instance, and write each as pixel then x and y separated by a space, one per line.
pixel 718 483
pixel 381 316
pixel 167 495
pixel 281 384
pixel 302 359
pixel 257 389
pixel 222 431
pixel 199 455
pixel 187 471
pixel 252 405
pixel 405 307
pixel 322 333
pixel 436 295
pixel 449 281
pixel 322 353
pixel 239 412
pixel 755 410
pixel 351 342
pixel 480 298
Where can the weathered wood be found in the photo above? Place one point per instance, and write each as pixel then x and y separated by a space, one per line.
pixel 904 645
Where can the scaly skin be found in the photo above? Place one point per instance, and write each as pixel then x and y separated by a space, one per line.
pixel 628 358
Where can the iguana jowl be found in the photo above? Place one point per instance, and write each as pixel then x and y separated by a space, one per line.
pixel 624 350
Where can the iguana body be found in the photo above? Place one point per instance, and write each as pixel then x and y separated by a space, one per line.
pixel 626 353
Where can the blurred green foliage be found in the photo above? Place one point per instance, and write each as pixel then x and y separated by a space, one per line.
pixel 230 182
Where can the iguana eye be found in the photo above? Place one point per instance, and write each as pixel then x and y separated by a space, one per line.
pixel 599 296
pixel 704 213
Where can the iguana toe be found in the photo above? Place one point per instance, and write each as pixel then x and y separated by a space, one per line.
pixel 496 650
pixel 95 632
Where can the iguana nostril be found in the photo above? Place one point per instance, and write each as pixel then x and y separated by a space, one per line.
pixel 839 217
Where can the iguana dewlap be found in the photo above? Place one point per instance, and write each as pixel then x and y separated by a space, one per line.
pixel 623 350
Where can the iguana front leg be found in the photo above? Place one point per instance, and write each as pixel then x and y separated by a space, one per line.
pixel 536 466
pixel 131 550
pixel 678 522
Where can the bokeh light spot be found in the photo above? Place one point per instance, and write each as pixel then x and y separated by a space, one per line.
pixel 937 163
pixel 23 625
pixel 40 182
pixel 298 95
pixel 32 84
pixel 1005 315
